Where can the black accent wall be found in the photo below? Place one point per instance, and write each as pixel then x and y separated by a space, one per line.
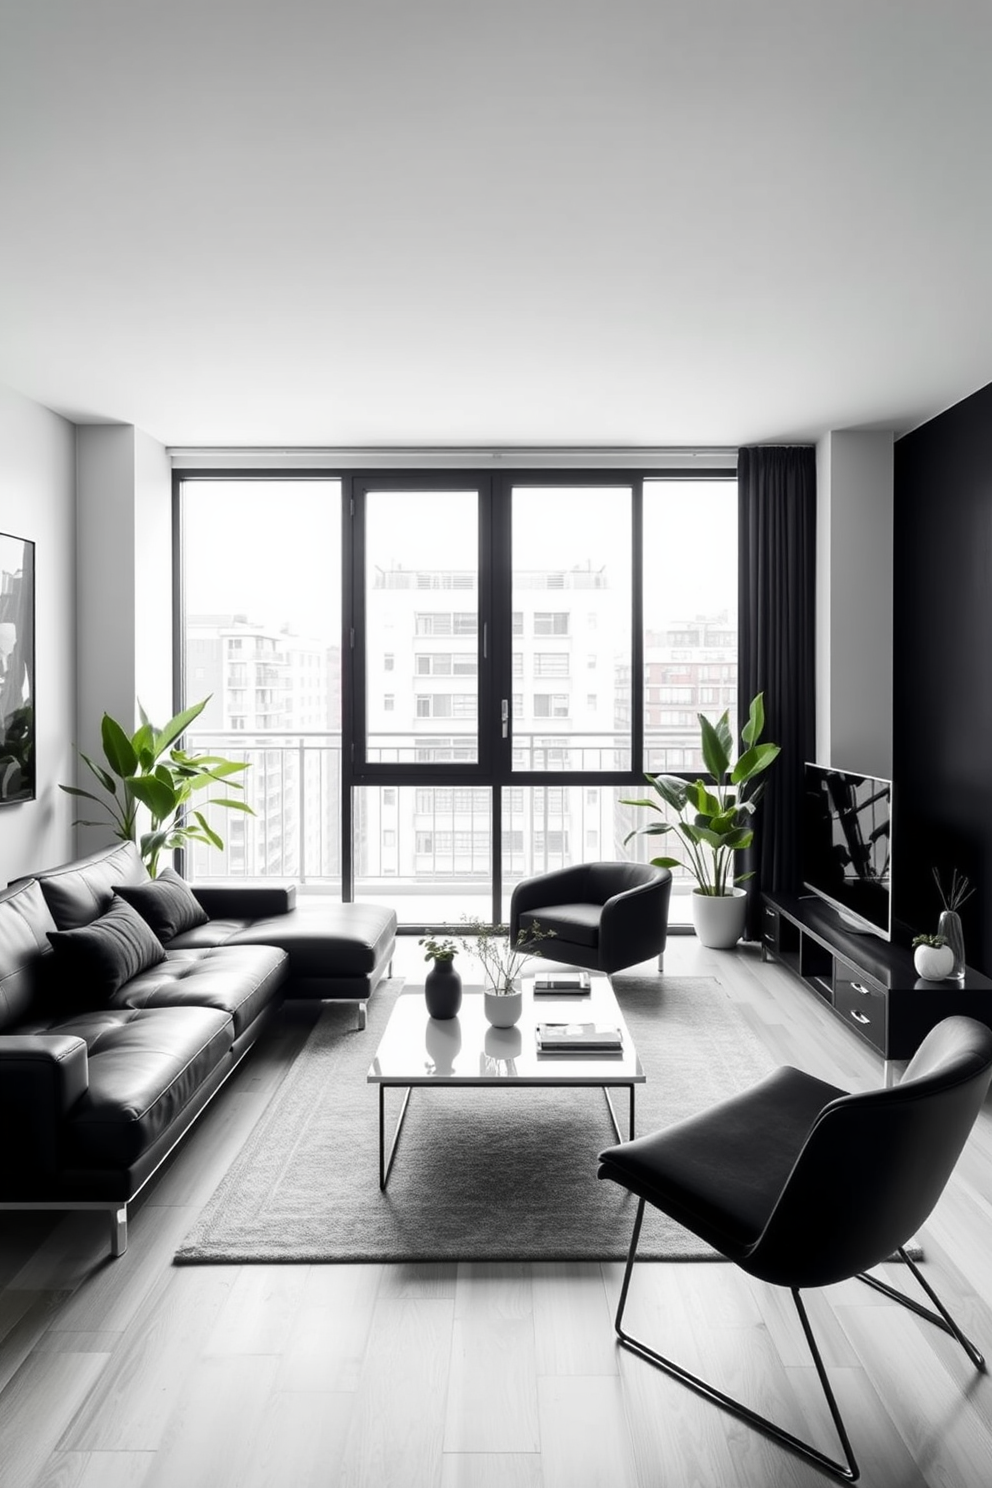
pixel 942 667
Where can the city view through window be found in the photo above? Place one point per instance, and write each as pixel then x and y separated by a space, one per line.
pixel 479 714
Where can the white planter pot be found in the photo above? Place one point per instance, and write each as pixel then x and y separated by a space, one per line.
pixel 503 1009
pixel 934 962
pixel 718 919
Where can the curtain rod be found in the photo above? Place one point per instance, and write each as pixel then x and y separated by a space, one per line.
pixel 636 456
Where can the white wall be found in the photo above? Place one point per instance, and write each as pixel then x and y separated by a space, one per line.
pixel 854 632
pixel 37 501
pixel 124 636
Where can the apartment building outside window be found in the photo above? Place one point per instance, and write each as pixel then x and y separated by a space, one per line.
pixel 440 635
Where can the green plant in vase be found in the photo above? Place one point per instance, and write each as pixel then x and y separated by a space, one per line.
pixel 148 769
pixel 714 818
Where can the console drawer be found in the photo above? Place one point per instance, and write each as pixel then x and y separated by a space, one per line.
pixel 863 1007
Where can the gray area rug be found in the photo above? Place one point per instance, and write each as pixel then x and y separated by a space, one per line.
pixel 488 1175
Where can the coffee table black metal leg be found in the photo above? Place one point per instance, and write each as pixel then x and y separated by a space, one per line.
pixel 613 1115
pixel 386 1163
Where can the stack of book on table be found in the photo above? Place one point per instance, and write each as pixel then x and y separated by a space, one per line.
pixel 550 982
pixel 579 1038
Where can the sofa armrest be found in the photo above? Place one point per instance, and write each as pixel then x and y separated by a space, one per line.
pixel 42 1075
pixel 245 901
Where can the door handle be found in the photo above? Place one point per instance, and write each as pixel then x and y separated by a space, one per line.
pixel 859 1017
pixel 504 714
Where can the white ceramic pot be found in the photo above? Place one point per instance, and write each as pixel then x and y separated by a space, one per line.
pixel 718 919
pixel 503 1010
pixel 934 962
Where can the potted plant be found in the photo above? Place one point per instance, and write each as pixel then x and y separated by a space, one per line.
pixel 715 821
pixel 933 957
pixel 501 964
pixel 147 769
pixel 442 984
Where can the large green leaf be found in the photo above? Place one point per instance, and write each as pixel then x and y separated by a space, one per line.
pixel 178 725
pixel 716 750
pixel 754 728
pixel 703 799
pixel 117 748
pixel 656 829
pixel 231 803
pixel 159 797
pixel 647 804
pixel 208 829
pixel 665 863
pixel 105 778
pixel 753 761
pixel 671 789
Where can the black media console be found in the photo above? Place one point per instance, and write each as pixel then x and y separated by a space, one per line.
pixel 870 983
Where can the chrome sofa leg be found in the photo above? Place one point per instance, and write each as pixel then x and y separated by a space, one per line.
pixel 363 1013
pixel 118 1231
pixel 661 962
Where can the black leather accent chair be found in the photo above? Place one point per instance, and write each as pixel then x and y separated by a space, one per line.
pixel 802 1185
pixel 605 916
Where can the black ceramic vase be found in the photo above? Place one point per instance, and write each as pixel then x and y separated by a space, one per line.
pixel 443 989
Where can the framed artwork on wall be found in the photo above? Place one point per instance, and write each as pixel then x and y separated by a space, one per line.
pixel 17 730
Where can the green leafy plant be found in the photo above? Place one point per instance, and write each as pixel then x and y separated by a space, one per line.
pixel 148 769
pixel 929 940
pixel 438 950
pixel 714 820
pixel 501 961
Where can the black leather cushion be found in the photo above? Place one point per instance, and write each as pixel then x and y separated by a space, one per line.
pixel 145 1066
pixel 77 892
pixel 96 960
pixel 578 923
pixel 166 903
pixel 326 940
pixel 241 981
pixel 25 924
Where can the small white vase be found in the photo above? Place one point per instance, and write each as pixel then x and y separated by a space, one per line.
pixel 718 919
pixel 934 963
pixel 503 1009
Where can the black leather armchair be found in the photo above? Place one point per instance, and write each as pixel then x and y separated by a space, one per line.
pixel 604 915
pixel 802 1184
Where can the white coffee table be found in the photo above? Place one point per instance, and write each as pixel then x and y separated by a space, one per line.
pixel 466 1053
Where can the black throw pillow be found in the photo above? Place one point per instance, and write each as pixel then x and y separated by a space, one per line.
pixel 96 960
pixel 166 903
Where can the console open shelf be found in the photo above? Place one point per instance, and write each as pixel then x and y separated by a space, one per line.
pixel 871 984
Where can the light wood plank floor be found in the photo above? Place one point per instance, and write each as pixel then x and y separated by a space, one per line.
pixel 136 1374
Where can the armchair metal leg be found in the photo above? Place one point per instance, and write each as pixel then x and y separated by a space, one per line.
pixel 941 1318
pixel 848 1470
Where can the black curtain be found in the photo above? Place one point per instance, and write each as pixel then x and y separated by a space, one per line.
pixel 776 493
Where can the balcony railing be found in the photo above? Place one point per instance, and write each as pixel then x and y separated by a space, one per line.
pixel 427 844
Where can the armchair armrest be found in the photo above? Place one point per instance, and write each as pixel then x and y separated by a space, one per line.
pixel 42 1075
pixel 245 901
pixel 633 920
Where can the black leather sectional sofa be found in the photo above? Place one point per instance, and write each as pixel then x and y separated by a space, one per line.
pixel 113 1037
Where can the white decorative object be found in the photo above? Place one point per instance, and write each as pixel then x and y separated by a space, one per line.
pixel 718 919
pixel 503 1009
pixel 935 963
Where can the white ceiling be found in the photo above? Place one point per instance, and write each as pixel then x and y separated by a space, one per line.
pixel 524 222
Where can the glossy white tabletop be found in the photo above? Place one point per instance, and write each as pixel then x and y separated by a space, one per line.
pixel 466 1050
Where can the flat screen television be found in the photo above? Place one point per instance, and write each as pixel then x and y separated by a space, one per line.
pixel 847 845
